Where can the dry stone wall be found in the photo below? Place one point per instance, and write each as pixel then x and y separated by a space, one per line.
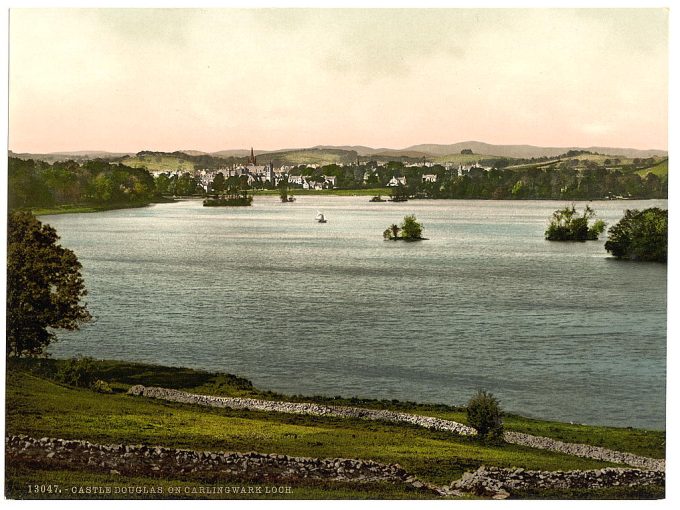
pixel 172 463
pixel 584 450
pixel 500 482
pixel 301 408
pixel 580 450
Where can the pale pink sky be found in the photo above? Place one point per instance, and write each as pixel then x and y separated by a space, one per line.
pixel 128 80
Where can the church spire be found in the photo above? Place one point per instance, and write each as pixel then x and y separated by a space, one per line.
pixel 251 159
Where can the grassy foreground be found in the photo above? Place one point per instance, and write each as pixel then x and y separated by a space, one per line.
pixel 39 406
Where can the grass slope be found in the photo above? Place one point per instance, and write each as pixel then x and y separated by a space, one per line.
pixel 121 375
pixel 40 408
pixel 660 169
pixel 159 162
pixel 308 157
pixel 462 159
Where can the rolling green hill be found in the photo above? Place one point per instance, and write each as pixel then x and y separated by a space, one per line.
pixel 156 162
pixel 660 169
pixel 462 159
pixel 308 157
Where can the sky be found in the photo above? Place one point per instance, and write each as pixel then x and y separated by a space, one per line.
pixel 125 80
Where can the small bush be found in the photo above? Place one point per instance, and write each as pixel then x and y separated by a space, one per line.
pixel 101 387
pixel 484 415
pixel 77 372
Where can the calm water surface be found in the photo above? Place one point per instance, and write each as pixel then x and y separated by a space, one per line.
pixel 555 330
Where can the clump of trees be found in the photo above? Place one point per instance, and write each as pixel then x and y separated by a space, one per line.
pixel 567 225
pixel 44 286
pixel 485 416
pixel 40 184
pixel 409 230
pixel 640 235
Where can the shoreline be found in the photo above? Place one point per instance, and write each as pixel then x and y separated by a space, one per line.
pixel 433 409
pixel 91 208
pixel 94 208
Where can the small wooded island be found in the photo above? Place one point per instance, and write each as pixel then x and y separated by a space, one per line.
pixel 567 225
pixel 409 230
pixel 640 235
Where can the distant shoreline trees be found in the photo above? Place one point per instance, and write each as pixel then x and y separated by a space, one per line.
pixel 34 183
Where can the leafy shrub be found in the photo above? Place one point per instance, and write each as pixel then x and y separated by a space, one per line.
pixel 391 232
pixel 640 235
pixel 567 225
pixel 410 228
pixel 101 387
pixel 484 415
pixel 78 372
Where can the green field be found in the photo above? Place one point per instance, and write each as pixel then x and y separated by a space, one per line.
pixel 461 159
pixel 308 157
pixel 660 169
pixel 155 163
pixel 39 406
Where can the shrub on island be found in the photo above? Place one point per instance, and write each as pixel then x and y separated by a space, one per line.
pixel 409 230
pixel 567 225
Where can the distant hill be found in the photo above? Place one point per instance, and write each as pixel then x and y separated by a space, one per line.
pixel 235 153
pixel 327 154
pixel 160 162
pixel 52 157
pixel 528 151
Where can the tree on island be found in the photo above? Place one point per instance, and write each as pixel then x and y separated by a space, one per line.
pixel 640 235
pixel 567 225
pixel 44 286
pixel 410 230
pixel 218 182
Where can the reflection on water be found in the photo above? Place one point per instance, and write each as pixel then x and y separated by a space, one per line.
pixel 555 330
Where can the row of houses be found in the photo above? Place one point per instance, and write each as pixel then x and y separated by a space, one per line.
pixel 261 174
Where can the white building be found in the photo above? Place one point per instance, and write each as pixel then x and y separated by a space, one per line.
pixel 396 181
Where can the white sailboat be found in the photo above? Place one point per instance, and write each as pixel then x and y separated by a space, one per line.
pixel 320 217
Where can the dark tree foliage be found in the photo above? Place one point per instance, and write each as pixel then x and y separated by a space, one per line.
pixel 39 184
pixel 640 235
pixel 484 415
pixel 44 286
pixel 410 228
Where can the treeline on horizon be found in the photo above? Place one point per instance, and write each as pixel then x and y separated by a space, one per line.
pixel 34 183
pixel 562 180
